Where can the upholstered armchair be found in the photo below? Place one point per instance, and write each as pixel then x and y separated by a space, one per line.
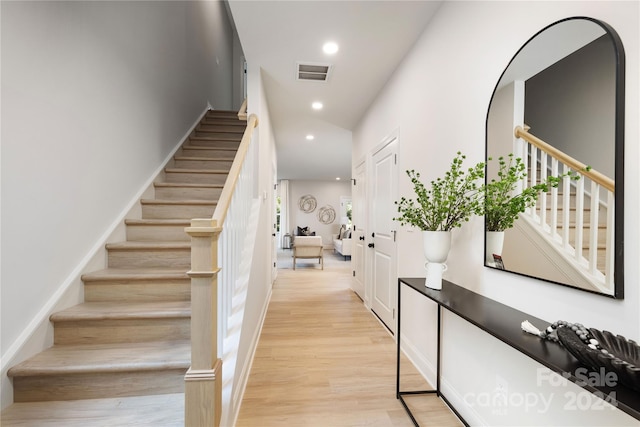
pixel 308 247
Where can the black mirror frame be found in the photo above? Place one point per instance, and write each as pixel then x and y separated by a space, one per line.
pixel 618 291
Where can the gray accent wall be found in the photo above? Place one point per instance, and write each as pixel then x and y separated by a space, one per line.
pixel 571 105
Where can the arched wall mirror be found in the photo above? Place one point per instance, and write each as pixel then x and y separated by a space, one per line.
pixel 559 108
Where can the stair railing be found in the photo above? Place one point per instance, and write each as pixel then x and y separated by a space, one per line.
pixel 544 160
pixel 216 248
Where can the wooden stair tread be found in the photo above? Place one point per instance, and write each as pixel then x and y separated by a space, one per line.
pixel 108 274
pixel 218 121
pixel 166 410
pixel 186 185
pixel 135 245
pixel 220 135
pixel 123 310
pixel 167 222
pixel 204 159
pixel 200 147
pixel 585 225
pixel 214 138
pixel 214 112
pixel 198 171
pixel 177 202
pixel 220 128
pixel 104 358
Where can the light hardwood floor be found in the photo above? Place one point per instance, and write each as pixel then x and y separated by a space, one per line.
pixel 324 360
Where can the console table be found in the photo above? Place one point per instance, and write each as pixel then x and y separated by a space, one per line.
pixel 502 322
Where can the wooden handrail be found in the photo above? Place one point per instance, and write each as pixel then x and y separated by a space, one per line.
pixel 574 164
pixel 224 201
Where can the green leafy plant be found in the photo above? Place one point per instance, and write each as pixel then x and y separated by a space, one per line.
pixel 502 204
pixel 448 203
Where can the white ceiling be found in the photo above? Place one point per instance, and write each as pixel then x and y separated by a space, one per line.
pixel 373 37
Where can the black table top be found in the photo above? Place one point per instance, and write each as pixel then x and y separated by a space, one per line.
pixel 503 322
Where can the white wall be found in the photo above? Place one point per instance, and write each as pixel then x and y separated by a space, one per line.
pixel 327 193
pixel 95 95
pixel 438 99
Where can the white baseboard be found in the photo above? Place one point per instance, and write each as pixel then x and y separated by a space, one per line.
pixel 38 335
pixel 470 415
pixel 421 363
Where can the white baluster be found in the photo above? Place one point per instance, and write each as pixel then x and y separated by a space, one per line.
pixel 593 227
pixel 610 246
pixel 542 199
pixel 554 201
pixel 579 220
pixel 566 207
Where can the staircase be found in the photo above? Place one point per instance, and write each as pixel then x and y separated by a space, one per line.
pixel 565 239
pixel 120 357
pixel 586 230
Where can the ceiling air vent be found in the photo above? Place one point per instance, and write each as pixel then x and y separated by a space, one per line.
pixel 313 72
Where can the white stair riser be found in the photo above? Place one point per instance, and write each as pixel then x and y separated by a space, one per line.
pixel 195 178
pixel 160 258
pixel 138 291
pixel 170 211
pixel 188 193
pixel 121 330
pixel 97 385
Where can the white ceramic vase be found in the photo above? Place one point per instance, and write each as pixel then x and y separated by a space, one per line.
pixel 436 249
pixel 494 243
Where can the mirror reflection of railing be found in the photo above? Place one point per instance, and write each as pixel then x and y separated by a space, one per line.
pixel 582 225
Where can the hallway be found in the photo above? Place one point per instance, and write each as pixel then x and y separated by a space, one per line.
pixel 324 360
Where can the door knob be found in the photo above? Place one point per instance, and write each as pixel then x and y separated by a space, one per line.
pixel 361 237
pixel 371 245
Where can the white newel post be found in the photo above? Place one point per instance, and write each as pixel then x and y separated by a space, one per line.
pixel 203 382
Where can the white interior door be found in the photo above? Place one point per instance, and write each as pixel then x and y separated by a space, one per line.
pixel 384 193
pixel 357 238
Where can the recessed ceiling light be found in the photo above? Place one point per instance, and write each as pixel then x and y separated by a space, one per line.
pixel 337 178
pixel 310 137
pixel 330 48
pixel 317 105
